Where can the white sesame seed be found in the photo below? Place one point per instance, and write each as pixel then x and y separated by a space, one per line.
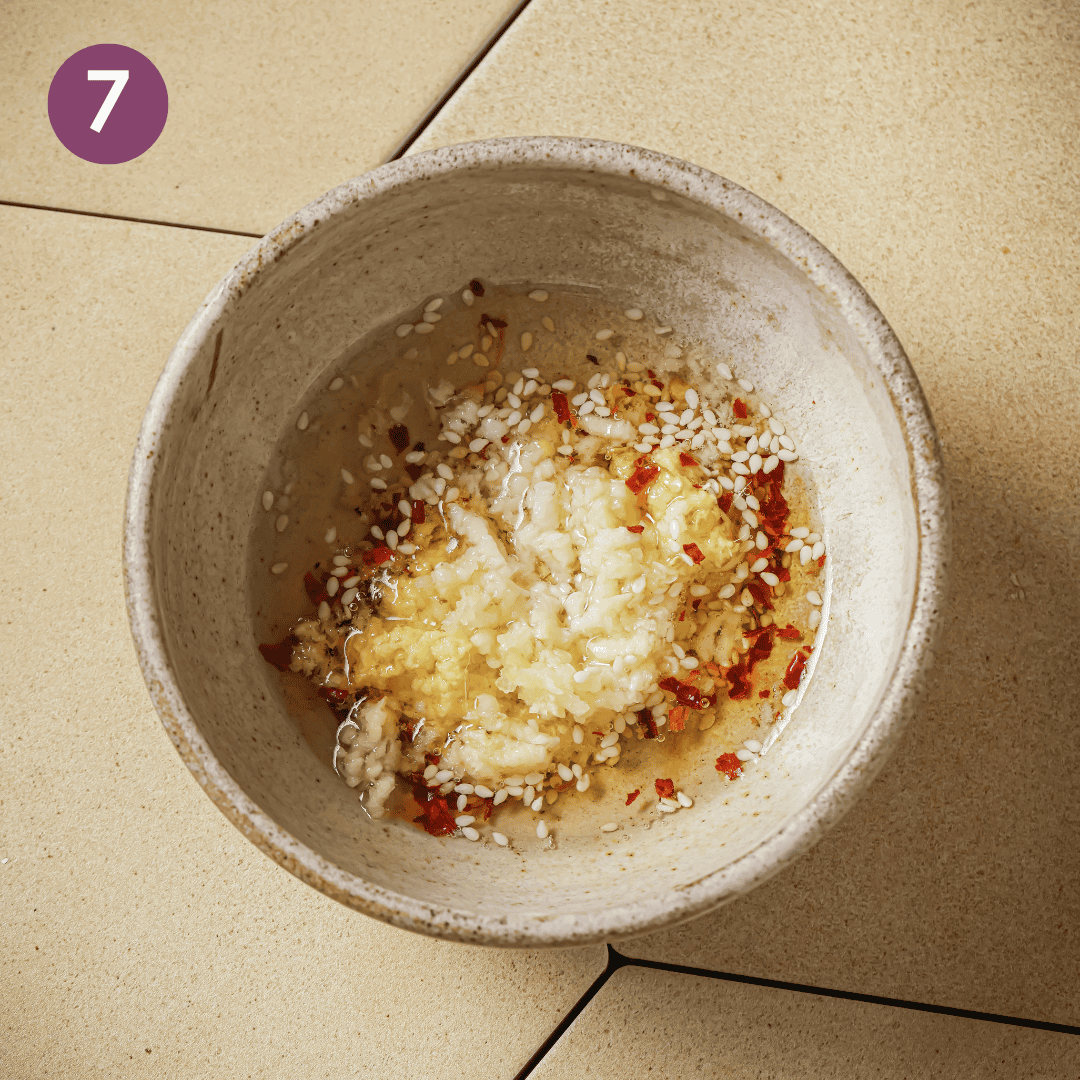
pixel 424 328
pixel 526 341
pixel 660 331
pixel 268 500
pixel 499 839
pixel 610 826
pixel 634 314
pixel 348 476
pixel 378 485
pixel 787 455
pixel 279 568
pixel 750 518
pixel 579 735
pixel 770 579
pixel 541 829
pixel 348 597
pixel 538 294
pixel 805 553
pixel 789 698
pixel 332 586
pixel 776 427
pixel 762 541
pixel 444 776
pixel 758 566
pixel 500 797
pixel 302 423
pixel 337 384
pixel 688 662
pixel 583 783
pixel 464 819
pixel 404 330
pixel 684 799
pixel 812 597
pixel 786 442
pixel 392 540
pixel 746 384
pixel 818 550
pixel 724 371
pixel 815 618
pixel 770 463
pixel 282 522
pixel 429 317
pixel 470 833
pixel 477 445
pixel 603 335
pixel 672 351
pixel 743 754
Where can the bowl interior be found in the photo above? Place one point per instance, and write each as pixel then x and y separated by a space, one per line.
pixel 708 257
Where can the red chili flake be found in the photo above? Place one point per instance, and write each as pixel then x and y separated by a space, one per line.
pixel 759 593
pixel 495 321
pixel 642 476
pixel 794 671
pixel 592 359
pixel 561 406
pixel 764 693
pixel 713 669
pixel 782 574
pixel 685 694
pixel 377 555
pixel 417 517
pixel 399 436
pixel 738 407
pixel 658 384
pixel 632 796
pixel 677 718
pixel 414 472
pixel 665 789
pixel 627 391
pixel 682 615
pixel 505 439
pixel 730 765
pixel 724 501
pixel 694 552
pixel 635 528
pixel 333 694
pixel 821 562
pixel 435 815
pixel 738 677
pixel 432 759
pixel 650 373
pixel 648 723
pixel 687 459
pixel 650 417
pixel 789 633
pixel 476 287
pixel 280 654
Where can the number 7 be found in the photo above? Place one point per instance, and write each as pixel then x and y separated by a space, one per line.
pixel 119 81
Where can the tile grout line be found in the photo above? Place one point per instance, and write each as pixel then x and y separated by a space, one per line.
pixel 426 120
pixel 847 995
pixel 403 147
pixel 124 217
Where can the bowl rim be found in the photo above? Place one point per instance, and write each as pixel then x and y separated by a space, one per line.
pixel 835 795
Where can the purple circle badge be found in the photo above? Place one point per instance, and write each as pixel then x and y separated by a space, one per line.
pixel 108 104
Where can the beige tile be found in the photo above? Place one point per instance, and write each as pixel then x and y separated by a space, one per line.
pixel 931 147
pixel 680 1027
pixel 142 934
pixel 269 104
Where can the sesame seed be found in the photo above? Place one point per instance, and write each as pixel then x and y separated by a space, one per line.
pixel 565 385
pixel 743 754
pixel 538 294
pixel 579 735
pixel 802 532
pixel 526 341
pixel 530 373
pixel 804 555
pixel 332 586
pixel 279 568
pixel 470 833
pixel 762 541
pixel 499 839
pixel 786 442
pixel 815 618
pixel 818 550
pixel 583 783
pixel 477 445
pixel 673 352
pixel 789 698
pixel 770 579
pixel 378 485
pixel 603 335
pixel 282 522
pixel 268 500
pixel 610 826
pixel 776 427
pixel 500 797
pixel 541 829
pixel 660 331
pixel 750 518
pixel 404 330
pixel 688 662
pixel 787 455
pixel 348 476
pixel 759 565
pixel 770 463
pixel 812 597
pixel 467 298
pixel 634 314
pixel 424 328
pixel 724 371
pixel 302 423
pixel 684 799
pixel 348 597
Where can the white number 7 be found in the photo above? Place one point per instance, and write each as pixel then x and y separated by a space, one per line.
pixel 119 81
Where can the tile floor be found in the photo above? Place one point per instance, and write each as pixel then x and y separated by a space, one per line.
pixel 932 147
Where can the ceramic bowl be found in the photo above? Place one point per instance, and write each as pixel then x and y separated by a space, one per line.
pixel 648 231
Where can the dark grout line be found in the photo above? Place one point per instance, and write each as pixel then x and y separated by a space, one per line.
pixel 847 995
pixel 614 962
pixel 455 86
pixel 135 220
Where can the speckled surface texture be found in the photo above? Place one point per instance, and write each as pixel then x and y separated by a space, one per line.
pixel 269 105
pixel 932 148
pixel 682 1027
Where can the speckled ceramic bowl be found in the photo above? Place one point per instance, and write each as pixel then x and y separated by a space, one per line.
pixel 647 230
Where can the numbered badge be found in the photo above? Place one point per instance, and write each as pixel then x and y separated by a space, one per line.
pixel 108 104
